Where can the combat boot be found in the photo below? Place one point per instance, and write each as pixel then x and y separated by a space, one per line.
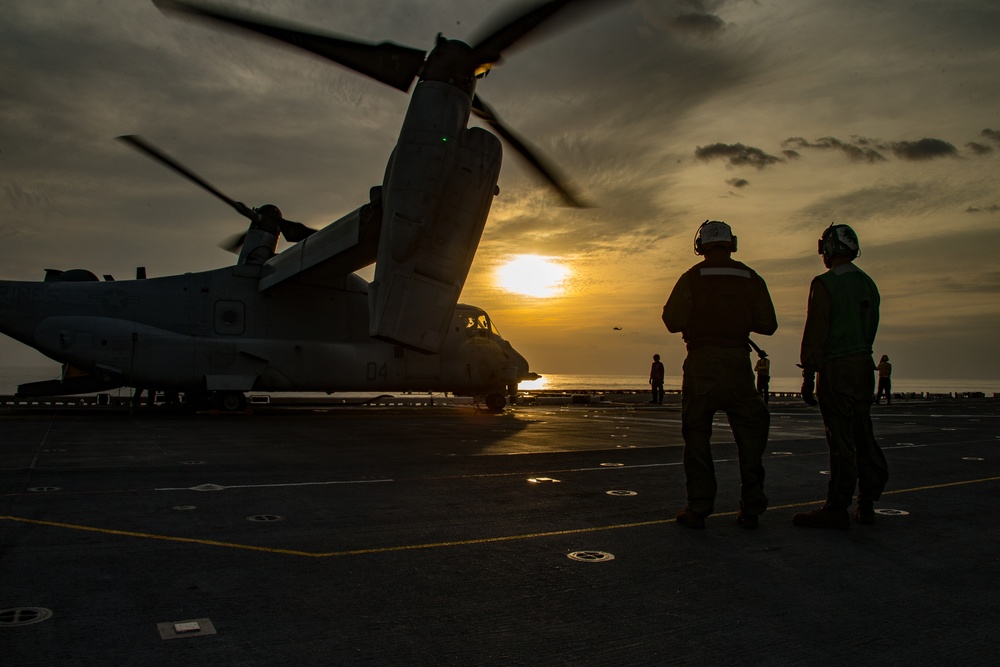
pixel 824 517
pixel 865 513
pixel 690 519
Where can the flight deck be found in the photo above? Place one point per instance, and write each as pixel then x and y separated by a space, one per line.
pixel 443 534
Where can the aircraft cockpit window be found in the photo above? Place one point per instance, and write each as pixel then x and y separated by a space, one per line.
pixel 478 324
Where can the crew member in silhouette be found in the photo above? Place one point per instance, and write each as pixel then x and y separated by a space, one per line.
pixel 763 370
pixel 884 380
pixel 656 380
pixel 841 321
pixel 716 305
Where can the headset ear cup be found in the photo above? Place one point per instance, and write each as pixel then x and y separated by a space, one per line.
pixel 734 244
pixel 697 238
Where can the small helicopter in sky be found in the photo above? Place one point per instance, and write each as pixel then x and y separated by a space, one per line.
pixel 302 319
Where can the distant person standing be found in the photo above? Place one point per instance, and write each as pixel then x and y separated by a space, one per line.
pixel 716 305
pixel 841 321
pixel 763 370
pixel 656 380
pixel 884 380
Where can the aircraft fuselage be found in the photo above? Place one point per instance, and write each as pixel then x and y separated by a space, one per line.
pixel 215 331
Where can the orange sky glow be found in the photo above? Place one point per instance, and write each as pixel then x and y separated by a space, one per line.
pixel 777 117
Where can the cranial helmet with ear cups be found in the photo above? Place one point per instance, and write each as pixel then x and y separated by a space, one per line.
pixel 713 231
pixel 839 241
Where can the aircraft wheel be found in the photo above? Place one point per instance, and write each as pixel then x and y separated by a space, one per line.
pixel 495 402
pixel 233 401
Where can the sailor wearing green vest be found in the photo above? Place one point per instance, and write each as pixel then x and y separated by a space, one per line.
pixel 841 322
pixel 715 305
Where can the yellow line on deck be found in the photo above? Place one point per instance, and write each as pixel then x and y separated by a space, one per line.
pixel 153 536
pixel 433 545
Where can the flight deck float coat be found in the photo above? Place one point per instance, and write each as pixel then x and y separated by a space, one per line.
pixel 853 313
pixel 841 322
pixel 716 305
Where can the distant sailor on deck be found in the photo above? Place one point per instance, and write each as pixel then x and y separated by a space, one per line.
pixel 763 370
pixel 884 380
pixel 656 380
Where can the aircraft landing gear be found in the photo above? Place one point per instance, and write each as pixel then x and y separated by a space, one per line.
pixel 232 401
pixel 495 402
pixel 222 401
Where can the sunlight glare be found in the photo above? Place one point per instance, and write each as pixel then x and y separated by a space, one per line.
pixel 532 385
pixel 533 275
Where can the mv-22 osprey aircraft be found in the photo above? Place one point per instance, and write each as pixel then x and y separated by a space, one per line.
pixel 302 320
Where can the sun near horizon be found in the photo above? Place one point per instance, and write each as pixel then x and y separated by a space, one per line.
pixel 533 275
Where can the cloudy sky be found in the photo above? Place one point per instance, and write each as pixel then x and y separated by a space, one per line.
pixel 777 117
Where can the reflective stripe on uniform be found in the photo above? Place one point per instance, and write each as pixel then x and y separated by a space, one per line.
pixel 844 268
pixel 722 271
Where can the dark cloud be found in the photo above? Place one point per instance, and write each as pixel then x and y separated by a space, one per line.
pixel 791 155
pixel 979 149
pixel 693 18
pixel 859 151
pixel 924 149
pixel 992 208
pixel 738 182
pixel 737 155
pixel 991 134
pixel 701 25
pixel 863 149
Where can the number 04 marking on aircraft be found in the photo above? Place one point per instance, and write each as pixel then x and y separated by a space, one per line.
pixel 376 372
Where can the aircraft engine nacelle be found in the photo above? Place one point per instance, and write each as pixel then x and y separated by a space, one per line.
pixel 437 193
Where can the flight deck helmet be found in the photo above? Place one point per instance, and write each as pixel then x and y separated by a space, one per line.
pixel 713 231
pixel 839 241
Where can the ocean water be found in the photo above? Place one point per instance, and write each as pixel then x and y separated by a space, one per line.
pixel 11 376
pixel 566 382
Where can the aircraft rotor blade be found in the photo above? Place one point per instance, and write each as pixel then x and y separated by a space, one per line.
pixel 540 165
pixel 292 231
pixel 490 48
pixel 295 231
pixel 233 243
pixel 152 151
pixel 389 63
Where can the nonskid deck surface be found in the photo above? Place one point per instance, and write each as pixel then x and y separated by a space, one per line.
pixel 445 535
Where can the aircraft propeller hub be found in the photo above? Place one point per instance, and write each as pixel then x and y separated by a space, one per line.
pixel 451 62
